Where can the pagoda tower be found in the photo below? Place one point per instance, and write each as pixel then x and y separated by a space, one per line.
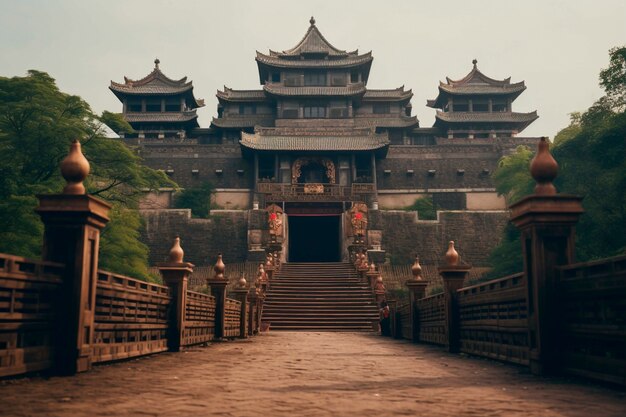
pixel 157 106
pixel 314 120
pixel 478 106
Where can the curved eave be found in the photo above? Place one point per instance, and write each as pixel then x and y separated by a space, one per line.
pixel 512 91
pixel 343 62
pixel 397 95
pixel 230 95
pixel 311 91
pixel 173 117
pixel 390 122
pixel 241 123
pixel 258 142
pixel 475 73
pixel 187 92
pixel 520 120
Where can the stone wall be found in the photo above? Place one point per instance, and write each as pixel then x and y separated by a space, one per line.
pixel 225 231
pixel 404 235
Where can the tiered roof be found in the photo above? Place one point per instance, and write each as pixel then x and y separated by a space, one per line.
pixel 156 84
pixel 240 95
pixel 321 91
pixel 276 139
pixel 396 94
pixel 473 84
pixel 313 51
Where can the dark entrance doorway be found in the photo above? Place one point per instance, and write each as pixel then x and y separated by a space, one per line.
pixel 314 238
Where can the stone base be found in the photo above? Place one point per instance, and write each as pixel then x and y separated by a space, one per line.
pixel 376 256
pixel 257 255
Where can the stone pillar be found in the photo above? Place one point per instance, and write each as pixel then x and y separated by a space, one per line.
pixel 453 275
pixel 175 274
pixel 374 180
pixel 217 284
pixel 72 224
pixel 417 290
pixel 547 221
pixel 371 276
pixel 241 294
pixel 253 326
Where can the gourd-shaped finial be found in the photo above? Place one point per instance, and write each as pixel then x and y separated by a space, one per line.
pixel 74 169
pixel 416 269
pixel 176 252
pixel 544 169
pixel 312 21
pixel 242 281
pixel 452 256
pixel 219 267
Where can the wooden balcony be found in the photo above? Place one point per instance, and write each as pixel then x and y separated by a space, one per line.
pixel 314 192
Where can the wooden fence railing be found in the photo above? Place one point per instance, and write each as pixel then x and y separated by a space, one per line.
pixel 431 319
pixel 232 317
pixel 594 319
pixel 28 297
pixel 493 319
pixel 199 318
pixel 131 318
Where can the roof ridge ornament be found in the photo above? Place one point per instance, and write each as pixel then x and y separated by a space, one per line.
pixel 157 61
pixel 475 61
pixel 312 21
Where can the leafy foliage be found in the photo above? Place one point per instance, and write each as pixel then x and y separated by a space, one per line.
pixel 591 155
pixel 198 199
pixel 425 208
pixel 37 124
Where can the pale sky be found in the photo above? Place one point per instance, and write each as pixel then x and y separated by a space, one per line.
pixel 558 47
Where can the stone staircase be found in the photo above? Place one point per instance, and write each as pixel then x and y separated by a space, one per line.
pixel 319 297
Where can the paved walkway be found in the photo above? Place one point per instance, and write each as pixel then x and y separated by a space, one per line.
pixel 308 374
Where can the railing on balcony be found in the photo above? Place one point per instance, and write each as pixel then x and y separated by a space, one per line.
pixel 273 192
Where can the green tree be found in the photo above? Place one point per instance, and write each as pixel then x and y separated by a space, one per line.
pixel 37 124
pixel 198 199
pixel 590 152
pixel 512 177
pixel 426 209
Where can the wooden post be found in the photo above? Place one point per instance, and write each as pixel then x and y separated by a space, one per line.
pixel 175 274
pixel 252 316
pixel 241 294
pixel 72 224
pixel 217 284
pixel 547 222
pixel 453 275
pixel 417 290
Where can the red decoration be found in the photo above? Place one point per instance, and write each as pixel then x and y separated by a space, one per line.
pixel 358 216
pixel 272 216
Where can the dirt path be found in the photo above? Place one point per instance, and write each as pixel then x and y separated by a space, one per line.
pixel 308 374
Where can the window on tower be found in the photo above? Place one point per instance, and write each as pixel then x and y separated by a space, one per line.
pixel 134 105
pixel 382 108
pixel 460 105
pixel 172 104
pixel 314 112
pixel 315 78
pixel 153 105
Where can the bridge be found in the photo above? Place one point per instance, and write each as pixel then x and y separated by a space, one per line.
pixel 550 341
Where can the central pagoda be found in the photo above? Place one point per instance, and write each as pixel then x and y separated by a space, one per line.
pixel 314 122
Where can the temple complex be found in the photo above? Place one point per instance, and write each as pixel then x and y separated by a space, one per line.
pixel 314 163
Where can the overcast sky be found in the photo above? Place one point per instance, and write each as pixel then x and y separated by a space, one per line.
pixel 557 47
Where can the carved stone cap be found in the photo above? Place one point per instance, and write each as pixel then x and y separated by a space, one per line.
pixel 452 256
pixel 544 169
pixel 176 252
pixel 219 268
pixel 74 168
